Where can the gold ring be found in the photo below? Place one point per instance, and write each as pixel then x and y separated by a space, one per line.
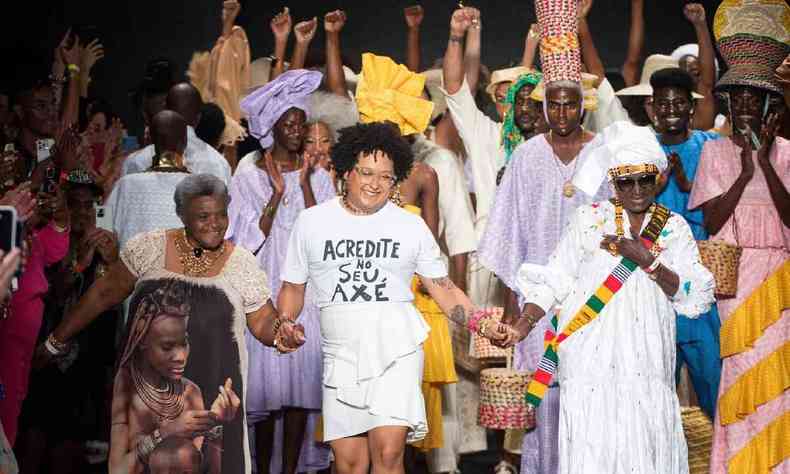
pixel 612 248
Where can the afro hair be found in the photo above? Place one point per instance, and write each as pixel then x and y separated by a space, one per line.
pixel 672 77
pixel 367 138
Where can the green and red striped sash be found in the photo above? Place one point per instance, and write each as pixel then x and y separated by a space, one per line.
pixel 547 367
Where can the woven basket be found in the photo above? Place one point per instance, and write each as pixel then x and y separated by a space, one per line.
pixel 699 437
pixel 722 260
pixel 502 403
pixel 483 350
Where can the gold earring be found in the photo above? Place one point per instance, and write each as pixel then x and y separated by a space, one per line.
pixel 396 196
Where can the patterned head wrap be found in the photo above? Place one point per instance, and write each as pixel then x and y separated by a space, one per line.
pixel 168 300
pixel 266 105
pixel 511 135
pixel 388 91
pixel 627 149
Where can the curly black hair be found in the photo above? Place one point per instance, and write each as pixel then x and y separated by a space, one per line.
pixel 367 138
pixel 672 77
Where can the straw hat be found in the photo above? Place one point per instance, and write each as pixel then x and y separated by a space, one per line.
pixel 653 63
pixel 504 75
pixel 753 37
pixel 589 91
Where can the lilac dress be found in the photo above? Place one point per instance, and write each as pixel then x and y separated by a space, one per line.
pixel 525 224
pixel 280 381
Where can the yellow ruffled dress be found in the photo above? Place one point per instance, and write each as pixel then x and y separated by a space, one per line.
pixel 439 363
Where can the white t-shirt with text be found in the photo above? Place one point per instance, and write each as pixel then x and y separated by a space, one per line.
pixel 361 259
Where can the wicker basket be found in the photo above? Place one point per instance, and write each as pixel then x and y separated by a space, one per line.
pixel 722 260
pixel 485 351
pixel 502 403
pixel 699 437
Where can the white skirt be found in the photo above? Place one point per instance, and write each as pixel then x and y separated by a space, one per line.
pixel 373 364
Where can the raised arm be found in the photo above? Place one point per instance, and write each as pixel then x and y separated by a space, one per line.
pixel 335 78
pixel 281 28
pixel 453 64
pixel 89 55
pixel 304 32
pixel 776 188
pixel 531 44
pixel 413 16
pixel 589 53
pixel 636 42
pixel 705 108
pixel 472 51
pixel 230 10
pixel 71 103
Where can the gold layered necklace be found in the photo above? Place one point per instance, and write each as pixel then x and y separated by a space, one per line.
pixel 196 260
pixel 167 402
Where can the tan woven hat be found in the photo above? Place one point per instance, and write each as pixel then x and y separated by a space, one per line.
pixel 653 63
pixel 504 75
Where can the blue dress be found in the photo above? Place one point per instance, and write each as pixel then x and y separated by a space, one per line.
pixel 697 339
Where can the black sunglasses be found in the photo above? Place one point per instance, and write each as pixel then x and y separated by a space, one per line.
pixel 625 185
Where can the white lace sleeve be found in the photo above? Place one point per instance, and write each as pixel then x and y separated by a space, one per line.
pixel 681 255
pixel 144 252
pixel 248 279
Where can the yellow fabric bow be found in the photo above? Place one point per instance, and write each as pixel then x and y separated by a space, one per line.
pixel 390 92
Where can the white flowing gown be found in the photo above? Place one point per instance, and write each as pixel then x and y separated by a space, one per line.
pixel 619 411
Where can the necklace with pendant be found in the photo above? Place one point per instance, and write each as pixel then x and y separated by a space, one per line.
pixel 196 261
pixel 568 189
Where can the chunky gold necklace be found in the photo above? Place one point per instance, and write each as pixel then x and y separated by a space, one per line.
pixel 196 260
pixel 618 223
pixel 167 403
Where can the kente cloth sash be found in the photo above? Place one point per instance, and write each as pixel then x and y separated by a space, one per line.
pixel 547 367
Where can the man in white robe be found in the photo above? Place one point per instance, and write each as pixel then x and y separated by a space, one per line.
pixel 142 202
pixel 619 411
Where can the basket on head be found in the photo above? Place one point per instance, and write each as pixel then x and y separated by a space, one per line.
pixel 483 350
pixel 722 259
pixel 502 403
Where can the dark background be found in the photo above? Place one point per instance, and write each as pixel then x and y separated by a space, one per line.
pixel 134 31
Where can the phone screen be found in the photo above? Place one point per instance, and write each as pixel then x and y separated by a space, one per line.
pixel 104 218
pixel 8 228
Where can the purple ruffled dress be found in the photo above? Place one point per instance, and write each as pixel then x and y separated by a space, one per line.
pixel 526 221
pixel 278 381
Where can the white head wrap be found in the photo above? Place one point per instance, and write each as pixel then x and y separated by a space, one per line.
pixel 624 144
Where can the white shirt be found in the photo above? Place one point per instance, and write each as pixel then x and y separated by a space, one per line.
pixel 142 202
pixel 199 157
pixel 360 259
pixel 482 141
pixel 456 216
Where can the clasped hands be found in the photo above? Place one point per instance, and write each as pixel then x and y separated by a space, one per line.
pixel 289 336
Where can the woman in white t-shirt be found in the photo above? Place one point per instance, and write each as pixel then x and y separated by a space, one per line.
pixel 360 251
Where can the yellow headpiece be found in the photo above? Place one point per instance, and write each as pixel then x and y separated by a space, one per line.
pixel 390 92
